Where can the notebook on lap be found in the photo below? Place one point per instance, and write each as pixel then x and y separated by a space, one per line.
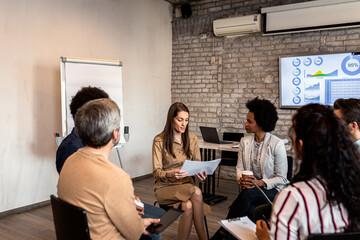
pixel 209 134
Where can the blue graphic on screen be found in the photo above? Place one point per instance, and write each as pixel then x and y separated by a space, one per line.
pixel 319 79
pixel 296 100
pixel 296 81
pixel 315 86
pixel 307 61
pixel 296 62
pixel 341 88
pixel 351 65
pixel 318 61
pixel 297 72
pixel 320 74
pixel 312 98
pixel 297 91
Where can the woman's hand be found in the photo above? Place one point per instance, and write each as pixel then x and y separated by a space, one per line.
pixel 147 222
pixel 176 173
pixel 246 182
pixel 138 208
pixel 262 231
pixel 201 176
pixel 260 182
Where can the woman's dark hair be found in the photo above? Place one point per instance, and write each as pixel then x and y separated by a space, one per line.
pixel 168 133
pixel 85 95
pixel 265 113
pixel 328 154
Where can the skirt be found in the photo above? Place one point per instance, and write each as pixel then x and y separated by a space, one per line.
pixel 174 195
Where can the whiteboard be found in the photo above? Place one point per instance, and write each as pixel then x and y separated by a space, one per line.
pixel 77 73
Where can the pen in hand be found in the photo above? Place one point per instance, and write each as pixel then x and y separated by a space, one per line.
pixel 266 221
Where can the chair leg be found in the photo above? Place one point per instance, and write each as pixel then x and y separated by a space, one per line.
pixel 206 226
pixel 218 176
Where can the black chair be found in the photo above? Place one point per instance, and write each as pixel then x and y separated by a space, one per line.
pixel 335 236
pixel 229 158
pixel 290 161
pixel 166 208
pixel 70 221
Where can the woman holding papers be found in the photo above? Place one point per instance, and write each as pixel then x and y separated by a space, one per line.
pixel 325 193
pixel 174 187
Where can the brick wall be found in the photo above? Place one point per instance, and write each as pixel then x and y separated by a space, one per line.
pixel 216 76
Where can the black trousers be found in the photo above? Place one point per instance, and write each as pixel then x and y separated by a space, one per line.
pixel 248 200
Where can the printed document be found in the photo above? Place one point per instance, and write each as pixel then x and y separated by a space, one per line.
pixel 194 167
pixel 241 228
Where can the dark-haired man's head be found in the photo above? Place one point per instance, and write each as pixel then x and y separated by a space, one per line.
pixel 85 95
pixel 97 122
pixel 349 111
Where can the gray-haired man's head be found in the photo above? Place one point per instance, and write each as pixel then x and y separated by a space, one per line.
pixel 95 122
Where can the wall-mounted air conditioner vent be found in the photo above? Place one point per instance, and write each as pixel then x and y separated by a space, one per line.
pixel 237 25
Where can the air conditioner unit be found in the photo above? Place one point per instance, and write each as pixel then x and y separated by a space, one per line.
pixel 237 25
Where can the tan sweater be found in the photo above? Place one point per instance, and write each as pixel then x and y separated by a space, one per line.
pixel 88 180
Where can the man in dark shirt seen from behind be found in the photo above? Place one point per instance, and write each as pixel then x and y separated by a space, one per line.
pixel 72 142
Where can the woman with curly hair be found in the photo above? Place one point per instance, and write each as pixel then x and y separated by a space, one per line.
pixel 324 195
pixel 262 153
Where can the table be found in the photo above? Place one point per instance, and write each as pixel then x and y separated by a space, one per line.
pixel 208 152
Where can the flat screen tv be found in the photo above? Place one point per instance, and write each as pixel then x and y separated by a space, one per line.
pixel 318 79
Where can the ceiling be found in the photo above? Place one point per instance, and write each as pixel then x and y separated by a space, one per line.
pixel 179 2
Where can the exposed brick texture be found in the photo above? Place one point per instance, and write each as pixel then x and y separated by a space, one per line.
pixel 216 76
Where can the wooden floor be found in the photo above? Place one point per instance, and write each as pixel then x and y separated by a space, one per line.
pixel 37 224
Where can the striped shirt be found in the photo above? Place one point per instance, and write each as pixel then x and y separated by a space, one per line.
pixel 302 209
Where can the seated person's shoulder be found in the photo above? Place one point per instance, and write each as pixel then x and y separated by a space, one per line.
pixel 116 175
pixel 121 172
pixel 247 138
pixel 192 136
pixel 159 138
pixel 276 140
pixel 70 143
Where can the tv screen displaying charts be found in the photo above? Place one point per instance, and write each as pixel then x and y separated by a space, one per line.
pixel 318 79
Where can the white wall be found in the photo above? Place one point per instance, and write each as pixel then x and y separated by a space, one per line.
pixel 33 36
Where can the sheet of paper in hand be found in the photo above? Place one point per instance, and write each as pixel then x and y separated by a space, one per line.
pixel 193 167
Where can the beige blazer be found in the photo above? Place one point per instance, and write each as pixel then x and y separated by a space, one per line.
pixel 273 160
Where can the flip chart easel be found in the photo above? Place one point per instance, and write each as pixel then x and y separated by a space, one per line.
pixel 79 72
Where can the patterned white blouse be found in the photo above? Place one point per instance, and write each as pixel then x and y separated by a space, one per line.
pixel 301 209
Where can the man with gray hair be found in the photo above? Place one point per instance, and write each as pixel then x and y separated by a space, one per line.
pixel 90 181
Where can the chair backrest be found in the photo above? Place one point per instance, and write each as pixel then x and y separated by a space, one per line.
pixel 290 161
pixel 335 236
pixel 230 158
pixel 70 221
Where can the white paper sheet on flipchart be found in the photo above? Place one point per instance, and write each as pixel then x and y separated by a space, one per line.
pixel 241 228
pixel 194 167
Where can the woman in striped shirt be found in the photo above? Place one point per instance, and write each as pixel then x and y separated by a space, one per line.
pixel 325 193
